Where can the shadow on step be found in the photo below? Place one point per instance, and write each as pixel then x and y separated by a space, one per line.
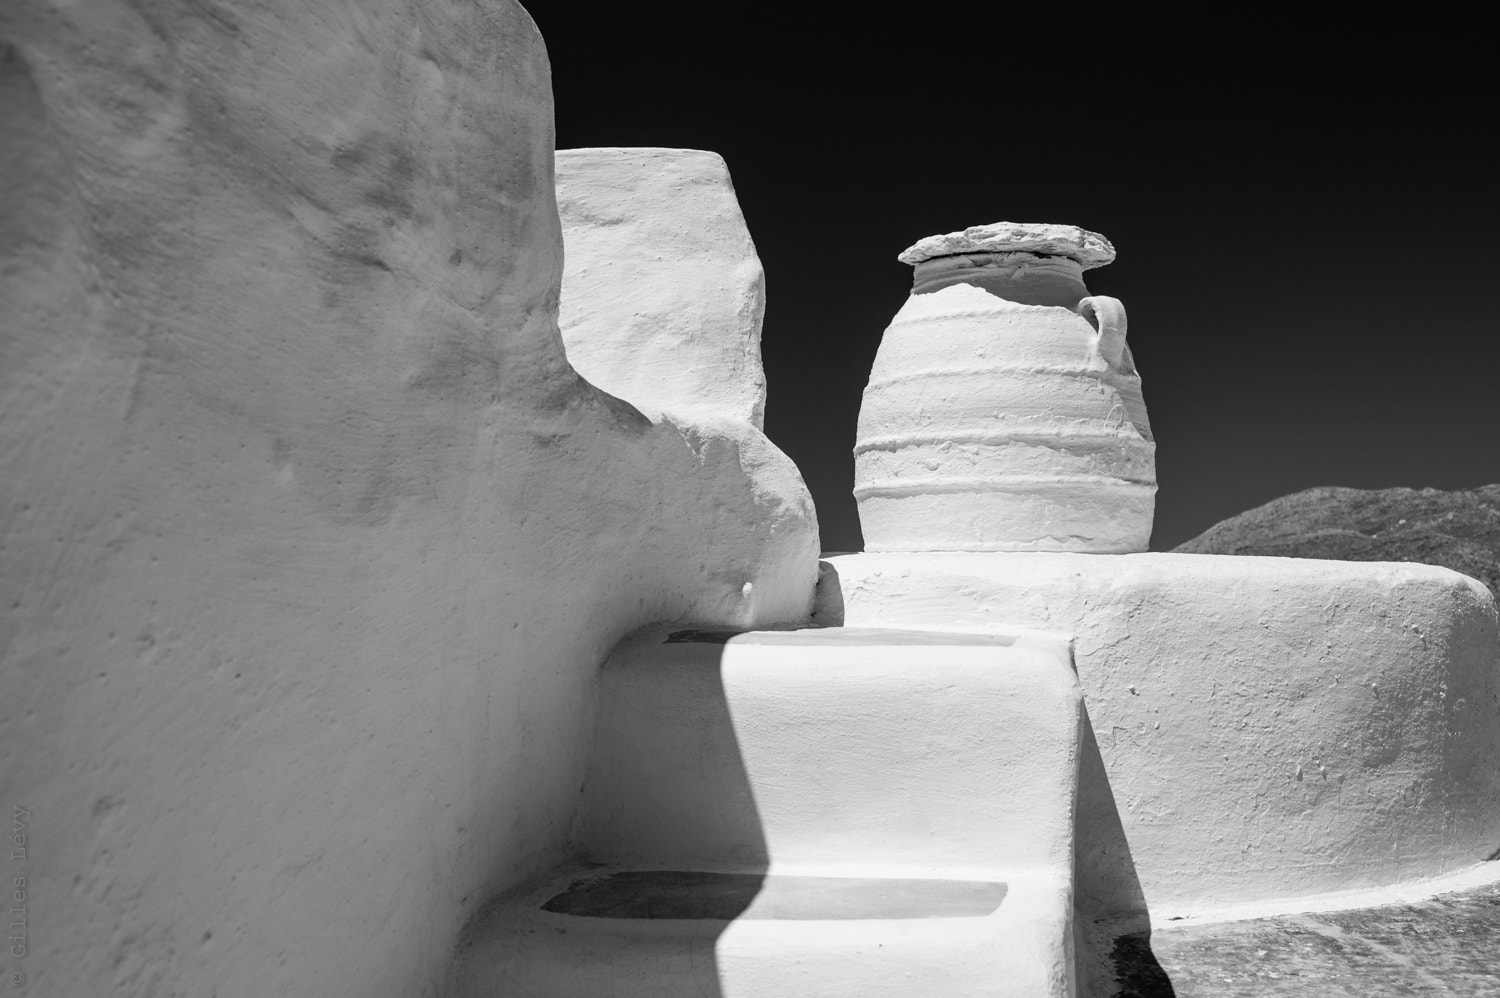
pixel 682 894
pixel 668 844
pixel 839 751
pixel 668 784
pixel 1137 972
pixel 1113 922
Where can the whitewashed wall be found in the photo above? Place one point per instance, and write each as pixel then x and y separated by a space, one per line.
pixel 312 539
pixel 1269 728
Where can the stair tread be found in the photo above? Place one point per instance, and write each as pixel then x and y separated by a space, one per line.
pixel 698 894
pixel 586 929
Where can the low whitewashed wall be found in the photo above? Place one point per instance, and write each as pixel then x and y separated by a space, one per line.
pixel 313 540
pixel 1269 727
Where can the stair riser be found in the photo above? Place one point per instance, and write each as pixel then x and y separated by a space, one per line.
pixel 942 758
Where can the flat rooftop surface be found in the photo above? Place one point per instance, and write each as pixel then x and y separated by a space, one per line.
pixel 1448 945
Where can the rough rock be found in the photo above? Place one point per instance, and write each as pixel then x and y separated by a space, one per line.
pixel 663 294
pixel 1458 530
pixel 313 540
pixel 1088 249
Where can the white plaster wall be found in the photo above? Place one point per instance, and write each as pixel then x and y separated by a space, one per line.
pixel 312 539
pixel 663 293
pixel 1270 727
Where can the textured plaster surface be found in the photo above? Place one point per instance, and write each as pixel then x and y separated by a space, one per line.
pixel 662 294
pixel 1089 249
pixel 1267 727
pixel 313 539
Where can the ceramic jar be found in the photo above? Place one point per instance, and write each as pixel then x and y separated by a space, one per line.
pixel 1004 411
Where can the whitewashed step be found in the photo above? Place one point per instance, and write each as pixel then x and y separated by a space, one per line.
pixel 813 813
pixel 592 931
pixel 945 752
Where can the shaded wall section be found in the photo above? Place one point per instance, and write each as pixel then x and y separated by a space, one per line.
pixel 313 538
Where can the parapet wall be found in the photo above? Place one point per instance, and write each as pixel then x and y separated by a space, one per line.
pixel 1268 727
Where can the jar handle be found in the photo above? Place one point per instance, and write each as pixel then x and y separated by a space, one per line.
pixel 1107 316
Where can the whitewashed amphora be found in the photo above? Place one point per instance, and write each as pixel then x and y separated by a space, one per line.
pixel 1004 411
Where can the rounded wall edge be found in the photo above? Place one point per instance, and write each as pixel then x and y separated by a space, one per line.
pixel 1266 728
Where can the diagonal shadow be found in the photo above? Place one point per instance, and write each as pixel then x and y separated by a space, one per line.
pixel 671 850
pixel 1112 924
pixel 667 849
pixel 1137 973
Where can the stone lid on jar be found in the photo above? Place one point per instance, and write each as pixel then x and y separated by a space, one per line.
pixel 1088 249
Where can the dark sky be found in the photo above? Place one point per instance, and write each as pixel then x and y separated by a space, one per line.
pixel 1308 228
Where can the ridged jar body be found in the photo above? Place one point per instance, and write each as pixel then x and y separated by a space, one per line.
pixel 991 424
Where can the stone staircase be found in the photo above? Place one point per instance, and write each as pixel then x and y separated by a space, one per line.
pixel 828 812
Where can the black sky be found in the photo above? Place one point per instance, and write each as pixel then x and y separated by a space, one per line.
pixel 1307 224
